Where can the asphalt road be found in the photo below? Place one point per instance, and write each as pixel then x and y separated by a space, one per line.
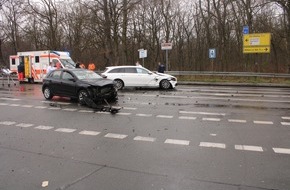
pixel 194 137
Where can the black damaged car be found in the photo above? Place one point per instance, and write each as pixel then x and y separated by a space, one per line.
pixel 78 84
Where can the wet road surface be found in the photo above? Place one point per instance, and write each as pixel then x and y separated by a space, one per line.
pixel 194 137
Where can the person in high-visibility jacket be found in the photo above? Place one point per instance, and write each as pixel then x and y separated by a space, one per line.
pixel 92 66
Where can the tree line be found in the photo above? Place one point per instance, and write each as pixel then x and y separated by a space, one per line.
pixel 110 32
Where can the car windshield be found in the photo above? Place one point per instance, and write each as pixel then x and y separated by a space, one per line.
pixel 68 63
pixel 86 74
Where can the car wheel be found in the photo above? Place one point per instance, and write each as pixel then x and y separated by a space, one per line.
pixel 119 84
pixel 165 84
pixel 81 96
pixel 47 93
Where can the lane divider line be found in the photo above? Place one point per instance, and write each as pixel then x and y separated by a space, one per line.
pixel 281 150
pixel 25 125
pixel 65 130
pixel 69 109
pixel 285 123
pixel 249 148
pixel 177 142
pixel 27 106
pixel 14 105
pixel 212 145
pixel 286 118
pixel 263 122
pixel 7 122
pixel 91 133
pixel 189 118
pixel 202 113
pixel 40 107
pixel 237 121
pixel 210 119
pixel 165 116
pixel 115 136
pixel 146 139
pixel 143 115
pixel 43 127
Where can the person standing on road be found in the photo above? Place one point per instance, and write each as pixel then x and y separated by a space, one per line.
pixel 161 68
pixel 50 67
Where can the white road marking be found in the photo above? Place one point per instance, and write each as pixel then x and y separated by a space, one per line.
pixel 24 125
pixel 129 108
pixel 86 111
pixel 122 113
pixel 214 135
pixel 212 145
pixel 147 139
pixel 91 133
pixel 237 121
pixel 285 123
pixel 27 106
pixel 144 115
pixel 202 113
pixel 103 112
pixel 165 116
pixel 40 107
pixel 7 123
pixel 189 118
pixel 281 150
pixel 210 119
pixel 42 127
pixel 65 130
pixel 59 103
pixel 14 105
pixel 287 118
pixel 249 148
pixel 115 136
pixel 12 99
pixel 3 104
pixel 54 108
pixel 264 122
pixel 69 109
pixel 177 142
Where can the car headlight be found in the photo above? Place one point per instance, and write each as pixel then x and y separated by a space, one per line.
pixel 172 78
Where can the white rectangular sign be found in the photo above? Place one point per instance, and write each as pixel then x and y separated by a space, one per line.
pixel 142 53
pixel 166 46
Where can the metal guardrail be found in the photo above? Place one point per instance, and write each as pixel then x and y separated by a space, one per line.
pixel 229 74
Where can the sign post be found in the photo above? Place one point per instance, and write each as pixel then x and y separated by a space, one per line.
pixel 166 47
pixel 142 55
pixel 212 56
pixel 257 43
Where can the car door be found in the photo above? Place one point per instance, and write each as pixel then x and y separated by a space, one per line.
pixel 130 77
pixel 68 84
pixel 55 82
pixel 145 78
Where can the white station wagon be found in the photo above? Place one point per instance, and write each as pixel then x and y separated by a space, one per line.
pixel 138 76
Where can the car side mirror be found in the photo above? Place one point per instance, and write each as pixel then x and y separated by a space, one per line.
pixel 72 79
pixel 150 73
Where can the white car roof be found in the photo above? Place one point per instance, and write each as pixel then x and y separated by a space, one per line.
pixel 124 66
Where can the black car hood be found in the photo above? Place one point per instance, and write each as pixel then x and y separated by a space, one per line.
pixel 98 82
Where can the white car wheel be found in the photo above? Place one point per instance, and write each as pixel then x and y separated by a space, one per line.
pixel 165 84
pixel 119 84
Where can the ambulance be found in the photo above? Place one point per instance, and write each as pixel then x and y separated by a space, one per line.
pixel 36 62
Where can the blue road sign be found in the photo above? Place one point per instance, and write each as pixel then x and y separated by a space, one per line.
pixel 212 53
pixel 246 30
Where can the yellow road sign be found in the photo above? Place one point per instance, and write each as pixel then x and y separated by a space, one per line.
pixel 260 49
pixel 257 43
